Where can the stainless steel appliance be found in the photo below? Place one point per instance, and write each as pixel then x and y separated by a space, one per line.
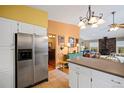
pixel 31 59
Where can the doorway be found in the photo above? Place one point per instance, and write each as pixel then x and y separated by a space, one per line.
pixel 51 51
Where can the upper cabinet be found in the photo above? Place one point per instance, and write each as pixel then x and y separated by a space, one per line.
pixel 25 28
pixel 38 30
pixel 9 27
pixel 7 30
pixel 31 29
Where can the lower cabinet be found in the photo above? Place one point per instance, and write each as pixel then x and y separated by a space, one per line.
pixel 79 77
pixel 73 82
pixel 84 81
pixel 83 77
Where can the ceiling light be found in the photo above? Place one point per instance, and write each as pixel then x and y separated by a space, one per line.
pixel 81 23
pixel 113 27
pixel 101 21
pixel 83 27
pixel 90 19
pixel 116 28
pixel 94 25
pixel 93 20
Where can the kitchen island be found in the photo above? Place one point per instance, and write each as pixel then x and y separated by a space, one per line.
pixel 92 72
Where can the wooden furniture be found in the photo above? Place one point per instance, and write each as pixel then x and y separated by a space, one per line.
pixel 94 73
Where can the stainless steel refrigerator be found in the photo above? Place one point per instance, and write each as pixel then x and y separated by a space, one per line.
pixel 31 57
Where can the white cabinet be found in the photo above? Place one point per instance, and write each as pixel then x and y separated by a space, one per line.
pixel 79 77
pixel 25 28
pixel 84 81
pixel 31 29
pixel 7 30
pixel 38 30
pixel 83 77
pixel 7 65
pixel 106 80
pixel 73 79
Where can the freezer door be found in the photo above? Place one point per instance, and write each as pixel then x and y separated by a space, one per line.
pixel 41 58
pixel 24 65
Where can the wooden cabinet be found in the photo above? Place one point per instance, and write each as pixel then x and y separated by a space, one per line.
pixel 83 77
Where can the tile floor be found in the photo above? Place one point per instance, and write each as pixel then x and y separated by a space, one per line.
pixel 57 79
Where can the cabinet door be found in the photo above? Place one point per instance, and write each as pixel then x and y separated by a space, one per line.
pixel 7 30
pixel 25 28
pixel 73 79
pixel 100 79
pixel 100 83
pixel 38 30
pixel 84 81
pixel 7 65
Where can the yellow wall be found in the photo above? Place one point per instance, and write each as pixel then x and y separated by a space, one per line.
pixel 66 30
pixel 25 14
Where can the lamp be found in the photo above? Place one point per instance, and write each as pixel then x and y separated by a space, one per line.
pixel 113 27
pixel 68 45
pixel 90 19
pixel 77 47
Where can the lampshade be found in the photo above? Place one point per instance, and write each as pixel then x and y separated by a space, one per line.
pixel 93 20
pixel 116 28
pixel 68 44
pixel 94 25
pixel 100 21
pixel 83 27
pixel 77 45
pixel 81 23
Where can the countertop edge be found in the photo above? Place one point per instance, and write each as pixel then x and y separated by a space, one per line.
pixel 98 69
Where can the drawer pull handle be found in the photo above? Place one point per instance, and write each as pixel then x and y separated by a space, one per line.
pixel 115 81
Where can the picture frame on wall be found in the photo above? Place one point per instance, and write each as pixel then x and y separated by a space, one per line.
pixel 61 40
pixel 71 41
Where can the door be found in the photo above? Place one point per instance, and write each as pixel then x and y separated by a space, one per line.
pixel 24 64
pixel 41 58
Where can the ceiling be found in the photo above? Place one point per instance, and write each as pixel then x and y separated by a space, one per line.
pixel 70 14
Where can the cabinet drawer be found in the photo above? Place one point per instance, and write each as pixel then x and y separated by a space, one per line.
pixel 80 69
pixel 112 80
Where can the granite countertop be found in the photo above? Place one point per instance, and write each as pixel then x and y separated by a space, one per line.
pixel 103 65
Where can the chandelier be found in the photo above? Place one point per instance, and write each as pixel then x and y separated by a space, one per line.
pixel 113 26
pixel 91 19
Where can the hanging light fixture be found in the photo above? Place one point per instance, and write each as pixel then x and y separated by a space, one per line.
pixel 113 27
pixel 91 19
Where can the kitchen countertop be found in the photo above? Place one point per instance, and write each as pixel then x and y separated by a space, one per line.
pixel 103 65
